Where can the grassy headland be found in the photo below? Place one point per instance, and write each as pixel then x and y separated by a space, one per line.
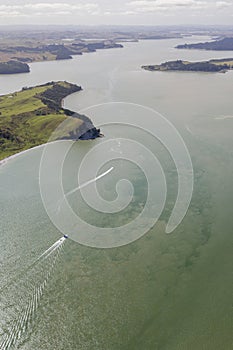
pixel 29 117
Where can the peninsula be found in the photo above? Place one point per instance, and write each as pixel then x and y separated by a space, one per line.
pixel 225 44
pixel 29 117
pixel 215 65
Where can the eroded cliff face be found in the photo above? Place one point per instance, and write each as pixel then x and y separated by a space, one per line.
pixel 84 130
pixel 53 99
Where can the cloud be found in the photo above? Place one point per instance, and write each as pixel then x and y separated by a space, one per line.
pixel 109 12
pixel 223 4
pixel 49 8
pixel 159 5
pixel 61 6
pixel 5 13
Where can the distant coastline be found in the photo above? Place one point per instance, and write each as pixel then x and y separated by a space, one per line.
pixel 212 66
pixel 14 58
pixel 225 44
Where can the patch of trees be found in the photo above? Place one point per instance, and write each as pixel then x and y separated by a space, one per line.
pixel 63 56
pixel 13 67
pixel 92 47
pixel 196 66
pixel 22 59
pixel 102 45
pixel 60 51
pixel 53 97
pixel 8 134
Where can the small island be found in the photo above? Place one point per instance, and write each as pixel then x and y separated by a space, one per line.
pixel 218 65
pixel 14 67
pixel 29 117
pixel 225 44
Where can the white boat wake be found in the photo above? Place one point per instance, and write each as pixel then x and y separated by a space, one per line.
pixel 47 261
pixel 89 182
pixel 51 249
pixel 42 270
pixel 49 258
pixel 82 186
pixel 224 117
pixel 189 130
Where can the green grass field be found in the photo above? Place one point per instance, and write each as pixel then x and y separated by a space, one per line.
pixel 25 121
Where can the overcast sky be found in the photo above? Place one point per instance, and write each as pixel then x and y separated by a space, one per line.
pixel 94 12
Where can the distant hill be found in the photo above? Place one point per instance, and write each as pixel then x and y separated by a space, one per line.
pixel 225 44
pixel 13 67
pixel 39 51
pixel 221 65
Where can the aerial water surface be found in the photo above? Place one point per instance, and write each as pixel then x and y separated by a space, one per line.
pixel 163 291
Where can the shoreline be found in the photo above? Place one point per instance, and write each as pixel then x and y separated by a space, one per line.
pixel 7 159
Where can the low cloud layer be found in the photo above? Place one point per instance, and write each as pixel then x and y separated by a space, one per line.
pixel 48 9
pixel 121 12
pixel 151 6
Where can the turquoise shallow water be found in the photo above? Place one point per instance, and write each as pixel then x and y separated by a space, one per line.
pixel 162 291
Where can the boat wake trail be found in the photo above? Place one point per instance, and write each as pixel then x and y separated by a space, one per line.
pixel 89 182
pixel 51 249
pixel 26 295
pixel 84 185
